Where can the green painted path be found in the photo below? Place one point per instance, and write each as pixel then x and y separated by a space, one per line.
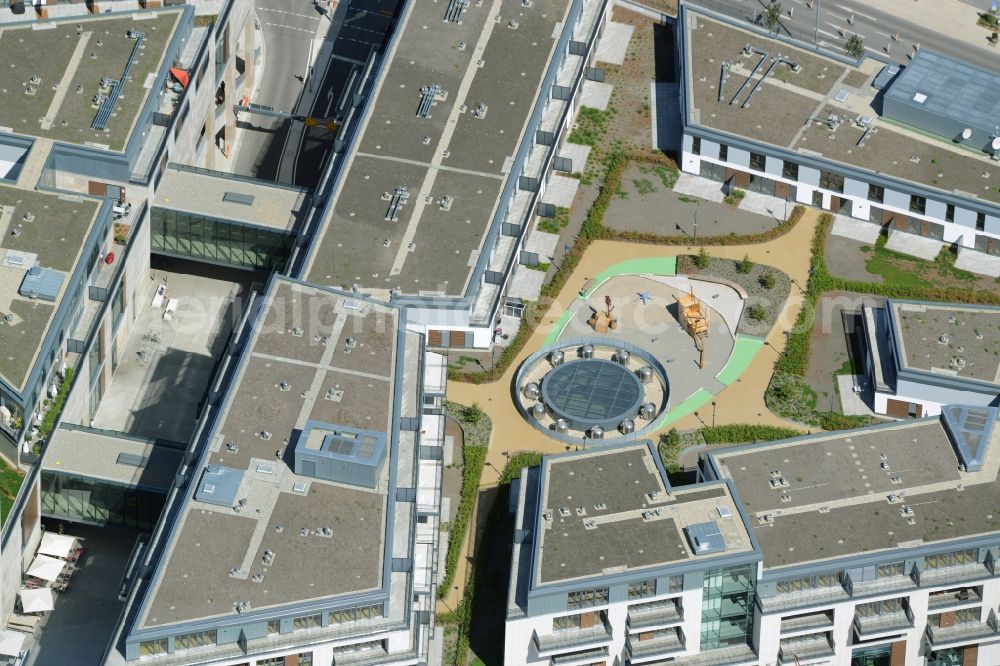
pixel 744 350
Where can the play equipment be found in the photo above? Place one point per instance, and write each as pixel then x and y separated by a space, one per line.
pixel 694 317
pixel 600 320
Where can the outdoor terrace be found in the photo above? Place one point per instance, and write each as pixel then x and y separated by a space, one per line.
pixel 805 100
pixel 72 57
pixel 53 238
pixel 461 151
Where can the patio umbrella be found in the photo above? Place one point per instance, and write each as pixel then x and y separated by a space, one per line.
pixel 46 568
pixel 11 642
pixel 37 601
pixel 56 545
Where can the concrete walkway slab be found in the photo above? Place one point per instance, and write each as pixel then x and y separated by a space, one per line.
pixel 696 186
pixel 526 283
pixel 561 190
pixel 859 230
pixel 766 204
pixel 575 153
pixel 977 262
pixel 851 403
pixel 913 245
pixel 596 95
pixel 542 243
pixel 614 43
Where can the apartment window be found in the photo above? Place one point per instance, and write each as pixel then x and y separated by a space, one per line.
pixel 888 570
pixel 918 204
pixel 567 622
pixel 949 213
pixel 644 588
pixel 308 622
pixel 585 598
pixel 884 607
pixel 723 152
pixel 696 145
pixel 358 647
pixel 303 659
pixel 831 181
pixel 980 221
pixel 876 193
pixel 273 627
pixel 945 560
pixel 961 616
pixel 790 170
pixel 807 583
pixel 675 584
pixel 153 648
pixel 757 161
pixel 196 640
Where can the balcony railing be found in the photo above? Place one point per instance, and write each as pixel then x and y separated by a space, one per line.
pixel 949 575
pixel 569 638
pixel 733 655
pixel 966 632
pixel 882 585
pixel 806 622
pixel 951 598
pixel 660 646
pixel 587 656
pixel 655 614
pixel 824 596
pixel 792 651
pixel 886 622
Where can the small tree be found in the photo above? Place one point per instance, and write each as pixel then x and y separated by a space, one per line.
pixel 745 265
pixel 472 414
pixel 855 46
pixel 767 280
pixel 772 17
pixel 701 261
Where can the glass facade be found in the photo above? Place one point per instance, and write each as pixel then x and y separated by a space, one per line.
pixel 72 497
pixel 584 598
pixel 727 607
pixel 219 241
pixel 950 657
pixel 875 656
pixel 644 588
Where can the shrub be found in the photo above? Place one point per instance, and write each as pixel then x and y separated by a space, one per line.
pixel 472 414
pixel 855 46
pixel 738 433
pixel 767 280
pixel 757 312
pixel 734 197
pixel 703 258
pixel 51 416
pixel 745 265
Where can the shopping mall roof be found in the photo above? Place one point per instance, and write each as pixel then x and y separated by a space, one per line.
pixel 854 492
pixel 610 510
pixel 36 230
pixel 418 196
pixel 289 538
pixel 53 71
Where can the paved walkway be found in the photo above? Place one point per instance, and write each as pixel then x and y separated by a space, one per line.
pixel 741 402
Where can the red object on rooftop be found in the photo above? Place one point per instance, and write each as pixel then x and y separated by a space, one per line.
pixel 109 258
pixel 181 75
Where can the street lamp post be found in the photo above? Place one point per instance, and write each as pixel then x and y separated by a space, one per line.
pixel 816 33
pixel 713 413
pixel 696 221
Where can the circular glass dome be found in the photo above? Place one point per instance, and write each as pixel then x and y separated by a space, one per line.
pixel 592 392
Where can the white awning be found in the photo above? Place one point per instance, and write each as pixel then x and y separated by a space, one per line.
pixel 46 568
pixel 56 545
pixel 37 601
pixel 11 642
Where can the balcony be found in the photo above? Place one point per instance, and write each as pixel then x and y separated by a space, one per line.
pixel 796 650
pixel 867 626
pixel 661 645
pixel 364 657
pixel 965 573
pixel 734 655
pixel 584 657
pixel 655 614
pixel 953 598
pixel 812 621
pixel 560 641
pixel 825 596
pixel 967 632
pixel 883 585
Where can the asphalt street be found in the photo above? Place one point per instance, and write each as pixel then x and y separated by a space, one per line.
pixel 878 29
pixel 278 149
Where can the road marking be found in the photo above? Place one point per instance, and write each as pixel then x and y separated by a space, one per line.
pixel 856 12
pixel 281 11
pixel 291 27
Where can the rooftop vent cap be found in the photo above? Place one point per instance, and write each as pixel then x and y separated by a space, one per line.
pixel 966 134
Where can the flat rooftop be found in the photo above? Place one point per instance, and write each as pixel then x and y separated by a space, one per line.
pixel 452 154
pixel 950 339
pixel 298 367
pixel 53 69
pixel 806 100
pixel 610 510
pixel 220 195
pixel 51 237
pixel 117 459
pixel 847 493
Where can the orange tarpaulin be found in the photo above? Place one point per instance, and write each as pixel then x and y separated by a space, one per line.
pixel 181 75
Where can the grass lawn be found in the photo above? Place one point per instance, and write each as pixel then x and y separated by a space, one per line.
pixel 906 272
pixel 10 483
